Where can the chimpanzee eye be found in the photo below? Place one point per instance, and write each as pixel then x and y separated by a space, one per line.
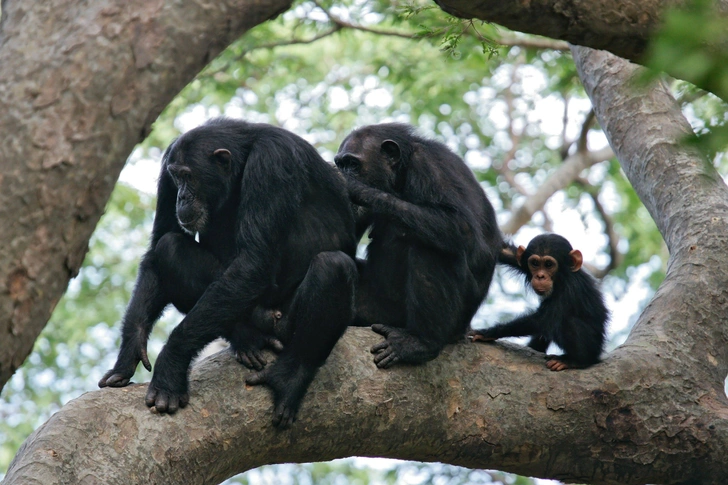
pixel 349 163
pixel 549 264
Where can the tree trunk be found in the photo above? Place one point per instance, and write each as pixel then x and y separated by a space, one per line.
pixel 80 84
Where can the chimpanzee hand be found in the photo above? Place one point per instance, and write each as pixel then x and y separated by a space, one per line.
pixel 247 346
pixel 402 347
pixel 360 193
pixel 131 353
pixel 486 335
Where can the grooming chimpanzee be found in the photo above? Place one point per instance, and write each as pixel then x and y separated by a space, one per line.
pixel 572 312
pixel 434 240
pixel 276 231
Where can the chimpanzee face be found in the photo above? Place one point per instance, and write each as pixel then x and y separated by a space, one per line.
pixel 201 175
pixel 371 160
pixel 544 258
pixel 543 269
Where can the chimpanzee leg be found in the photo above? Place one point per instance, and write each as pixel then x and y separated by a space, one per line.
pixel 539 343
pixel 376 304
pixel 175 271
pixel 582 345
pixel 434 305
pixel 321 309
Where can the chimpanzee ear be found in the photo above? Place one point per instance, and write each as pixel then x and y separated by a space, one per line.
pixel 390 149
pixel 576 260
pixel 519 253
pixel 223 155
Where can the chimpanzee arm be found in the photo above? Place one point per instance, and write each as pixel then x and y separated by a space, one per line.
pixel 519 327
pixel 148 300
pixel 270 197
pixel 507 256
pixel 441 227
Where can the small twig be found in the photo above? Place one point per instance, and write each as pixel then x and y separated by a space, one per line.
pixel 348 25
pixel 615 257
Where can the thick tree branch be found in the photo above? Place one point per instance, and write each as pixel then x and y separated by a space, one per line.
pixel 80 84
pixel 622 27
pixel 628 420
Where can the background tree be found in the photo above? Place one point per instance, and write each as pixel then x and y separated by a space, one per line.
pixel 486 111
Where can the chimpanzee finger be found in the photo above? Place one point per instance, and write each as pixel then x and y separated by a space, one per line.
pixel 151 397
pixel 250 360
pixel 114 379
pixel 379 347
pixel 243 359
pixel 258 359
pixel 384 330
pixel 172 403
pixel 257 378
pixel 386 359
pixel 275 344
pixel 283 417
pixel 477 337
pixel 556 365
pixel 145 359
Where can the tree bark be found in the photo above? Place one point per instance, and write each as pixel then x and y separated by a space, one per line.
pixel 622 27
pixel 80 84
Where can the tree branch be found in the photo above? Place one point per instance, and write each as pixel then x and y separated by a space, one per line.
pixel 480 406
pixel 563 176
pixel 622 27
pixel 615 257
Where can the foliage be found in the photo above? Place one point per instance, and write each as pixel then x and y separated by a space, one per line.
pixel 362 471
pixel 701 55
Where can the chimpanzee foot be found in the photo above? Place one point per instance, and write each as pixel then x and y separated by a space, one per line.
pixel 288 386
pixel 400 347
pixel 165 401
pixel 125 366
pixel 116 378
pixel 557 364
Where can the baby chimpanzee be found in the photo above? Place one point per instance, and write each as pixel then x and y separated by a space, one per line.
pixel 572 313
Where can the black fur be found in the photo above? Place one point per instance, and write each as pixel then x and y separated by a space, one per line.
pixel 434 240
pixel 276 231
pixel 573 316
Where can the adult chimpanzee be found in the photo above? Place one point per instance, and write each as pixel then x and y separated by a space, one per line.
pixel 276 230
pixel 572 313
pixel 434 240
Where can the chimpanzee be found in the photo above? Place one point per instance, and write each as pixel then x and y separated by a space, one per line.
pixel 433 244
pixel 572 313
pixel 276 232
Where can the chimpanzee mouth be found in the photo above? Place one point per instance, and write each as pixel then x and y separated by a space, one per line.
pixel 188 227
